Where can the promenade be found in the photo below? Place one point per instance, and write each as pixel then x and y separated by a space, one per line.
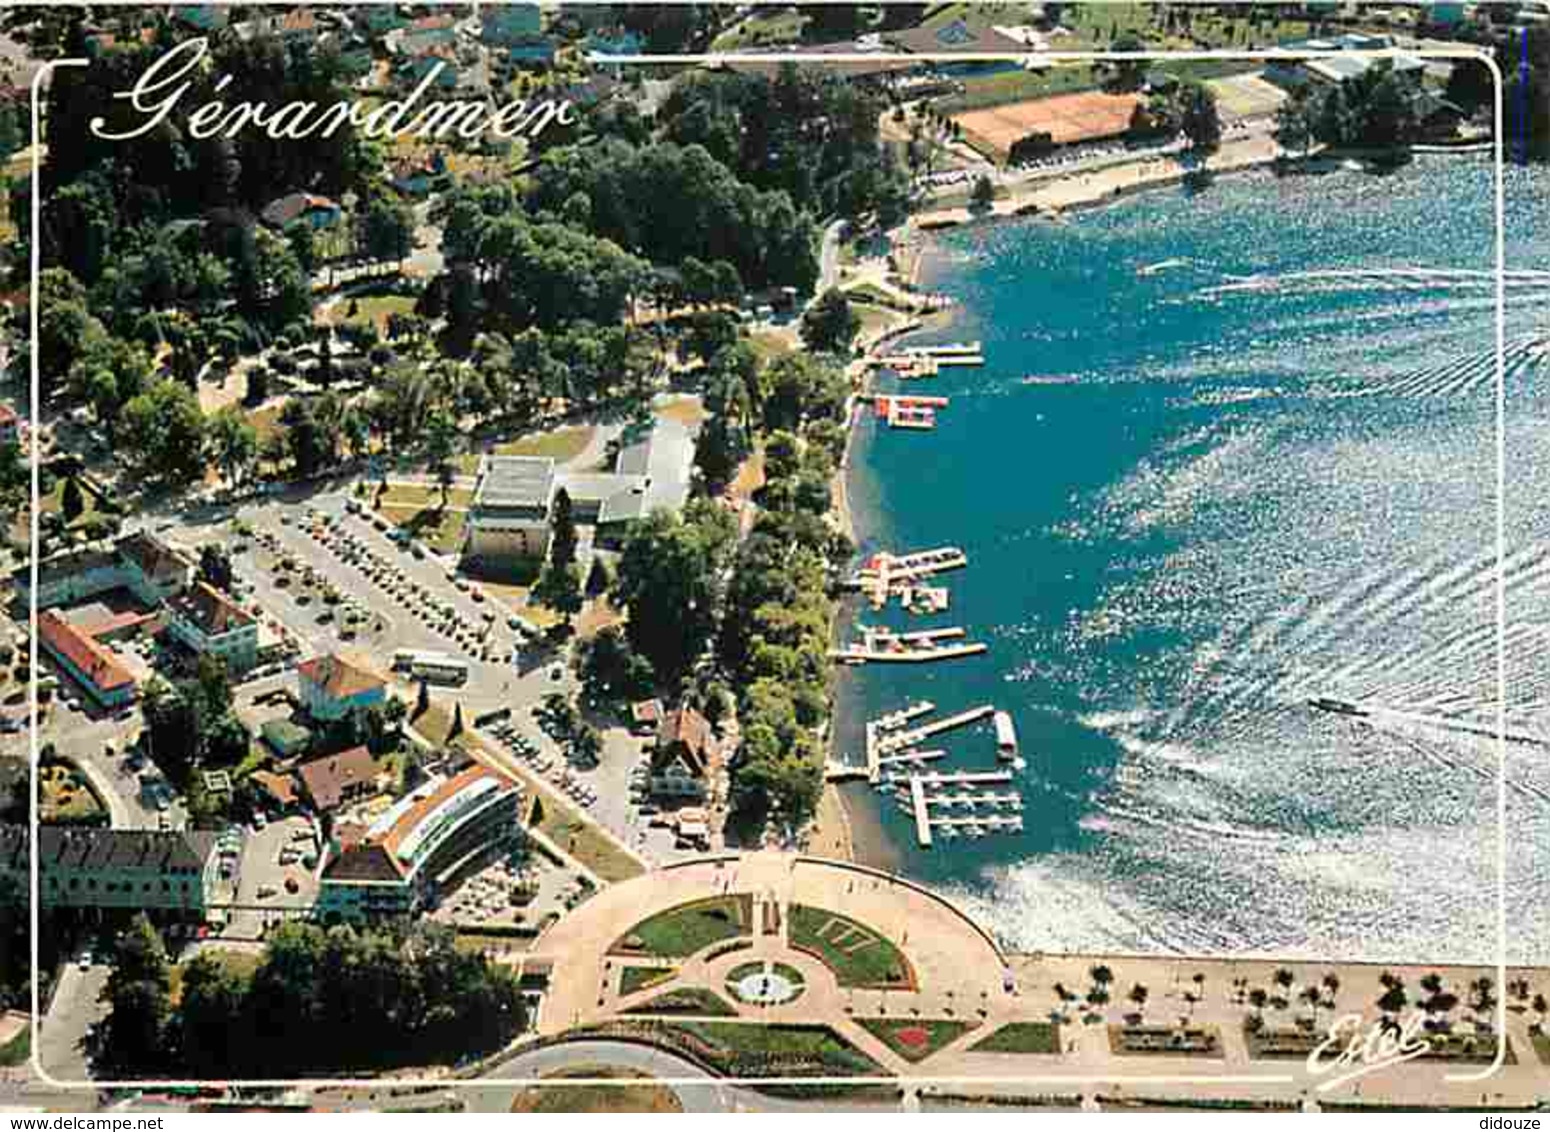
pixel 957 984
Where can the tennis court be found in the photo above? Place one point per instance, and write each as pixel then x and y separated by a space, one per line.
pixel 1066 118
pixel 1246 96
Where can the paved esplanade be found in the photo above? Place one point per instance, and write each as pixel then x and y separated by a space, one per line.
pixel 959 974
pixel 958 971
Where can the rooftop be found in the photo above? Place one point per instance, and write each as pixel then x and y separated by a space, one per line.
pixel 210 610
pixel 155 559
pixel 159 850
pixel 96 662
pixel 516 481
pixel 337 677
pixel 327 778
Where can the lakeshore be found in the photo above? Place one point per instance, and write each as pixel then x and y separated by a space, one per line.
pixel 1091 761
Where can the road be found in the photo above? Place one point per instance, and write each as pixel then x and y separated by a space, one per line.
pixel 82 738
pixel 73 1012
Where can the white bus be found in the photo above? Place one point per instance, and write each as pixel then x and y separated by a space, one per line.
pixel 437 666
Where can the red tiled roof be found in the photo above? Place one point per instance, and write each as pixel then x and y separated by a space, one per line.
pixel 280 787
pixel 327 777
pixel 337 677
pixel 417 812
pixel 7 415
pixel 685 731
pixel 96 663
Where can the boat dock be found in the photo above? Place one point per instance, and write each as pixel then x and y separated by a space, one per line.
pixel 892 741
pixel 879 645
pixel 901 411
pixel 887 575
pixel 975 825
pixel 889 735
pixel 925 361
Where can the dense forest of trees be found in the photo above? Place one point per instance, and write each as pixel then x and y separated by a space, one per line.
pixel 321 1001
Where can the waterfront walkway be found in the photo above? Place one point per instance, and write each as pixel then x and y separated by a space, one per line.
pixel 958 975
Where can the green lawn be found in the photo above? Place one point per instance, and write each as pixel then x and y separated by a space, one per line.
pixel 1542 1047
pixel 372 308
pixel 67 797
pixel 240 963
pixel 633 979
pixel 18 1049
pixel 746 1049
pixel 1021 1037
pixel 982 91
pixel 687 1000
pixel 439 528
pixel 640 1094
pixel 52 502
pixel 689 927
pixel 858 956
pixel 581 839
pixel 915 1039
pixel 784 26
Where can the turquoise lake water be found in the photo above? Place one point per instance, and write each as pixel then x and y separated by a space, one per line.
pixel 1192 498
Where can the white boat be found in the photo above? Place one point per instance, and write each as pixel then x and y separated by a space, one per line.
pixel 1006 736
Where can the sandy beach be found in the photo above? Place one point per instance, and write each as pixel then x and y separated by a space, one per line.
pixel 1084 190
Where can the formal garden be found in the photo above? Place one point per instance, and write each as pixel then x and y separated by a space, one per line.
pixel 688 928
pixel 695 1001
pixel 915 1039
pixel 858 955
pixel 1021 1037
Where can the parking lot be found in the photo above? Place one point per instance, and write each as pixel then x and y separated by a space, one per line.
pixel 266 889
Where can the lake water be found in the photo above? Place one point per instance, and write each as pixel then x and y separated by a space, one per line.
pixel 1194 497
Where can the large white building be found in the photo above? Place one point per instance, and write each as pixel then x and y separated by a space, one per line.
pixel 514 501
pixel 421 846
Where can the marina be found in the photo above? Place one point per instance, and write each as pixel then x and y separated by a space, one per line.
pixel 974 825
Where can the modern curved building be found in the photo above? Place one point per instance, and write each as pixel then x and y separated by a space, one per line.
pixel 421 846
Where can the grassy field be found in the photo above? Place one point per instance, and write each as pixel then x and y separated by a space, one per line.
pixel 915 1039
pixel 746 1048
pixel 371 308
pixel 633 979
pixel 1021 1037
pixel 419 510
pixel 635 1093
pixel 784 26
pixel 559 444
pixel 981 91
pixel 687 928
pixel 858 956
pixel 1542 1048
pixel 52 502
pixel 688 1000
pixel 582 840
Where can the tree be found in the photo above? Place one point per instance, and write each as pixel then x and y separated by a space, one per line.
pixel 983 195
pixel 1138 995
pixel 422 703
pixel 1199 119
pixel 668 581
pixel 440 441
pixel 830 325
pixel 1294 129
pixel 1128 73
pixel 211 1001
pixel 457 722
pixel 233 442
pixel 559 588
pixel 386 229
pixel 137 994
pixel 562 526
pixel 71 501
pixel 161 433
pixel 215 565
